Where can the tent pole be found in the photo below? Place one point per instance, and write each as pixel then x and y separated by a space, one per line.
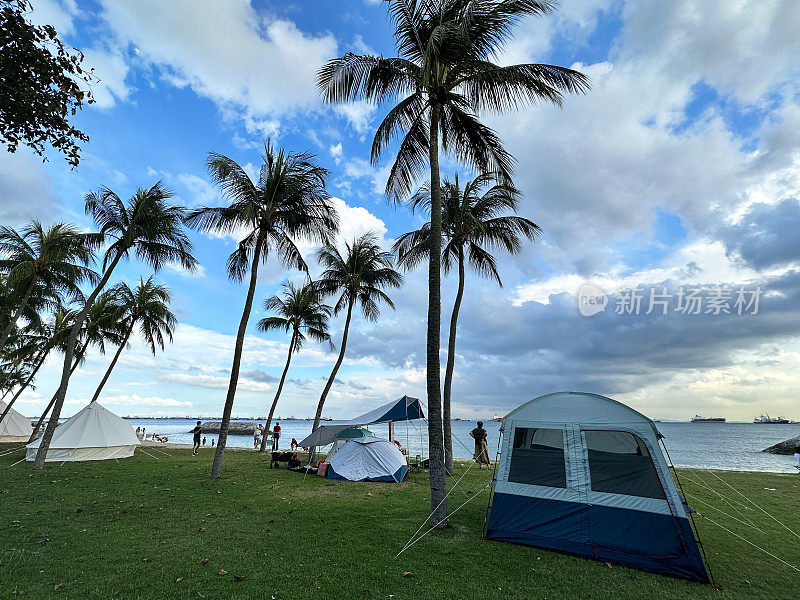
pixel 691 515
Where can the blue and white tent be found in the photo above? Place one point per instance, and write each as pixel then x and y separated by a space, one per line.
pixel 368 459
pixel 584 474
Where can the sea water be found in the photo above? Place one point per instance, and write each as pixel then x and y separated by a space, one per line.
pixel 730 446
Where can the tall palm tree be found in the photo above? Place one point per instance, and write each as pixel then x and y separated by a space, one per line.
pixel 300 311
pixel 146 226
pixel 473 224
pixel 444 77
pixel 55 259
pixel 360 276
pixel 288 201
pixel 146 306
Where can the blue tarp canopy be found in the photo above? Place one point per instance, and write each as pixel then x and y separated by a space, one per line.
pixel 402 409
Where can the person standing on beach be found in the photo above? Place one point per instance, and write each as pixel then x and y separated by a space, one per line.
pixel 257 436
pixel 276 434
pixel 197 431
pixel 797 458
pixel 481 454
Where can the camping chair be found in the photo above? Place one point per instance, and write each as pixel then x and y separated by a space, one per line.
pixel 416 463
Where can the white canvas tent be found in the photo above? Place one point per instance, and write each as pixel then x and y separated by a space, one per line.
pixel 94 433
pixel 368 459
pixel 14 427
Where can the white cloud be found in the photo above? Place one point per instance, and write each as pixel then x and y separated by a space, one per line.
pixel 110 71
pixel 26 189
pixel 359 115
pixel 228 52
pixel 216 382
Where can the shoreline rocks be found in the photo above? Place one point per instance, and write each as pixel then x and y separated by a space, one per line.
pixel 234 428
pixel 785 447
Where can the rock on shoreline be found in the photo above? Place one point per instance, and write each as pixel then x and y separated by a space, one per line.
pixel 234 428
pixel 786 447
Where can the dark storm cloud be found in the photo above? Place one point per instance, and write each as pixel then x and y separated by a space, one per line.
pixel 768 235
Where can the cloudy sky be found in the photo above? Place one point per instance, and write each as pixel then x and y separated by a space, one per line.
pixel 677 175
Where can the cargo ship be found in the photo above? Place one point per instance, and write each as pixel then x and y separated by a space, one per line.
pixel 767 420
pixel 699 419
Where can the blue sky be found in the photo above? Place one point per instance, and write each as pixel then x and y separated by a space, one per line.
pixel 680 167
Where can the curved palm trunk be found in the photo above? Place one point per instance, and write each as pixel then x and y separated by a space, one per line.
pixel 278 393
pixel 216 467
pixel 36 427
pixel 113 363
pixel 448 373
pixel 329 384
pixel 433 376
pixel 15 317
pixel 66 371
pixel 23 387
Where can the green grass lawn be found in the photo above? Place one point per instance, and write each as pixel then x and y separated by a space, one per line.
pixel 141 528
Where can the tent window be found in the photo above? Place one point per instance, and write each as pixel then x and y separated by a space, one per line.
pixel 537 457
pixel 619 463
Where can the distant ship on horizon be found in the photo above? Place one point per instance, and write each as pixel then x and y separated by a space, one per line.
pixel 699 419
pixel 767 420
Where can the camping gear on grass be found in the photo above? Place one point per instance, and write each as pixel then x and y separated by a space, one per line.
pixel 94 433
pixel 368 459
pixel 584 474
pixel 14 427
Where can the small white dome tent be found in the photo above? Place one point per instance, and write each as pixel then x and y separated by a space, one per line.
pixel 584 474
pixel 345 436
pixel 368 459
pixel 94 433
pixel 14 427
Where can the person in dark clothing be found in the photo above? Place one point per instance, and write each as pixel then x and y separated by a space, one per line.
pixel 481 456
pixel 197 431
pixel 276 434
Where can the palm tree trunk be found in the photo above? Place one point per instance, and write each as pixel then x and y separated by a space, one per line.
pixel 329 384
pixel 66 371
pixel 216 467
pixel 448 373
pixel 435 440
pixel 23 387
pixel 278 393
pixel 113 363
pixel 15 317
pixel 36 427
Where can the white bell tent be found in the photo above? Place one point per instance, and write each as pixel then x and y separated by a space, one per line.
pixel 94 433
pixel 14 427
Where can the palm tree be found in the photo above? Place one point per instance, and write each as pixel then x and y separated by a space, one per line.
pixel 301 313
pixel 473 225
pixel 147 307
pixel 145 226
pixel 360 276
pixel 55 259
pixel 444 77
pixel 288 201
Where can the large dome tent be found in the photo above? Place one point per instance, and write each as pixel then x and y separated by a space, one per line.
pixel 93 433
pixel 585 474
pixel 14 427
